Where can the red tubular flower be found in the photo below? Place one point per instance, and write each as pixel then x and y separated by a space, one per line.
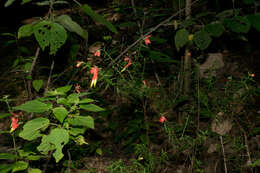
pixel 147 41
pixel 162 119
pixel 97 53
pixel 14 124
pixel 94 71
pixel 15 120
pixel 128 60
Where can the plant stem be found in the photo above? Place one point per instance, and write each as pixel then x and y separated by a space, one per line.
pixel 223 151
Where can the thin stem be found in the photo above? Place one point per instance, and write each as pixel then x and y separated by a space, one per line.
pixel 15 149
pixel 223 151
pixel 49 78
pixel 151 30
pixel 29 82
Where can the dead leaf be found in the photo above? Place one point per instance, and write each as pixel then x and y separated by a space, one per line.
pixel 221 128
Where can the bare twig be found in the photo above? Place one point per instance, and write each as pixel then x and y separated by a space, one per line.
pixel 151 30
pixel 223 151
pixel 29 82
pixel 69 161
pixel 49 78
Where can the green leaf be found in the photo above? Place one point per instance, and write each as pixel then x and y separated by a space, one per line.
pixel 31 130
pixel 9 2
pixel 73 98
pixel 64 89
pixel 20 166
pixel 50 34
pixel 57 138
pixel 215 29
pixel 5 168
pixel 45 145
pixel 26 1
pixel 86 121
pixel 255 21
pixel 25 31
pixel 99 151
pixel 256 163
pixel 249 2
pixel 33 106
pixel 7 156
pixel 91 107
pixel 238 24
pixel 72 26
pixel 160 57
pixel 97 18
pixel 62 101
pixel 60 113
pixel 5 115
pixel 77 131
pixel 202 39
pixel 37 84
pixel 34 170
pixel 181 38
pixel 86 100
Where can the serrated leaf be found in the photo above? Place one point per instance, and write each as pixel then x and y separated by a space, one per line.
pixel 33 106
pixel 215 29
pixel 77 131
pixel 20 166
pixel 25 31
pixel 62 101
pixel 202 39
pixel 86 121
pixel 9 2
pixel 64 89
pixel 238 24
pixel 58 137
pixel 7 156
pixel 31 129
pixel 181 38
pixel 91 107
pixel 60 113
pixel 73 98
pixel 45 145
pixel 5 168
pixel 97 18
pixel 255 21
pixel 72 26
pixel 37 84
pixel 86 100
pixel 50 34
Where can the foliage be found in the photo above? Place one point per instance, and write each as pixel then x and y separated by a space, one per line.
pixel 140 84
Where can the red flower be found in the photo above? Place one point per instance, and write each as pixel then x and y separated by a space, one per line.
pixel 97 53
pixel 252 75
pixel 147 41
pixel 162 119
pixel 94 71
pixel 15 120
pixel 128 60
pixel 14 124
